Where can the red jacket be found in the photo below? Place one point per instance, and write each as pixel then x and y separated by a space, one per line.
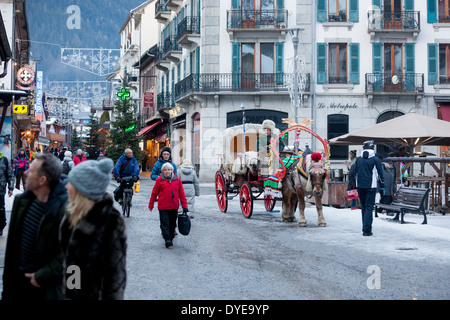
pixel 76 159
pixel 169 192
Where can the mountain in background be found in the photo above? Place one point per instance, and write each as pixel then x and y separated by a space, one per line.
pixel 100 24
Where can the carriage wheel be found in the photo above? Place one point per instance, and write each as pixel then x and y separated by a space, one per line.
pixel 221 192
pixel 246 199
pixel 269 203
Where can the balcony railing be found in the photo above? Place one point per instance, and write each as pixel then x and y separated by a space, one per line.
pixel 256 19
pixel 412 83
pixel 160 7
pixel 165 100
pixel 170 44
pixel 397 20
pixel 239 82
pixel 189 25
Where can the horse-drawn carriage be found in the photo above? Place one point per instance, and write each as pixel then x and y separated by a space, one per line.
pixel 251 174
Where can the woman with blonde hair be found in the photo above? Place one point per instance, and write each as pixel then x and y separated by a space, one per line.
pixel 92 235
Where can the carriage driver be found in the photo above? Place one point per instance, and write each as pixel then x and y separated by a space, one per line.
pixel 263 141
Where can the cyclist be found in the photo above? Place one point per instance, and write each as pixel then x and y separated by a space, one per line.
pixel 126 166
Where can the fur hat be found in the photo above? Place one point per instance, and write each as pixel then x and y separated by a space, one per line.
pixel 187 164
pixel 92 177
pixel 268 124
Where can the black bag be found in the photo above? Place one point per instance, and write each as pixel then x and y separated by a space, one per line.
pixel 184 224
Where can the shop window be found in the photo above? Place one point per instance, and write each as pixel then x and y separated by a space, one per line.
pixel 337 126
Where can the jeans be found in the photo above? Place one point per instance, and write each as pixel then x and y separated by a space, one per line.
pixel 168 223
pixel 367 199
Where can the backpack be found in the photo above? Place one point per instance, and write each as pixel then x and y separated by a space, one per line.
pixel 65 167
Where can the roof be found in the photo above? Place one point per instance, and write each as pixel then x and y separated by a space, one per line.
pixel 132 12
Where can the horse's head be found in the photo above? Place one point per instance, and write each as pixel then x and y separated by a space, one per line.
pixel 317 174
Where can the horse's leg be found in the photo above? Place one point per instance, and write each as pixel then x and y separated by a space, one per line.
pixel 321 219
pixel 286 204
pixel 290 214
pixel 301 208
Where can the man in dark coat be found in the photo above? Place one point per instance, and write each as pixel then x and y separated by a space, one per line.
pixel 33 266
pixel 6 182
pixel 367 173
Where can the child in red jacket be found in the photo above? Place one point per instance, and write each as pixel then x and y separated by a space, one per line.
pixel 170 192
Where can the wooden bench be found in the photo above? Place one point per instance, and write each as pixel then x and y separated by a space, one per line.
pixel 407 200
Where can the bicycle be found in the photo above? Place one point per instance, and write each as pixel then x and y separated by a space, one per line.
pixel 127 183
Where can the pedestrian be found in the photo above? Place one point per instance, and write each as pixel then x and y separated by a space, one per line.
pixel 6 181
pixel 367 174
pixel 191 186
pixel 351 182
pixel 126 166
pixel 390 184
pixel 21 164
pixel 80 157
pixel 67 163
pixel 263 140
pixel 169 189
pixel 62 154
pixel 93 235
pixel 164 156
pixel 32 268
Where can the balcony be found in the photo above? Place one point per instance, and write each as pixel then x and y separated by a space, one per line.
pixel 256 20
pixel 229 83
pixel 172 51
pixel 387 84
pixel 160 61
pixel 397 21
pixel 189 33
pixel 174 5
pixel 165 101
pixel 162 13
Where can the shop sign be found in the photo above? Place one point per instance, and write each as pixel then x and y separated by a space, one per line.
pixel 177 111
pixel 20 109
pixel 341 106
pixel 148 99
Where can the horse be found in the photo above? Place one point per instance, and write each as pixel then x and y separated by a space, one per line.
pixel 308 178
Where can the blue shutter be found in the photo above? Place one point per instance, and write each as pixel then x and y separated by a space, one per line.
pixel 409 67
pixel 354 11
pixel 322 10
pixel 235 4
pixel 376 3
pixel 279 62
pixel 235 14
pixel 280 9
pixel 432 63
pixel 409 5
pixel 354 63
pixel 431 11
pixel 377 66
pixel 321 63
pixel 235 66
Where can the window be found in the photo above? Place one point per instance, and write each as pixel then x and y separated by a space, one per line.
pixel 338 63
pixel 444 11
pixel 337 10
pixel 337 126
pixel 248 65
pixel 444 63
pixel 267 62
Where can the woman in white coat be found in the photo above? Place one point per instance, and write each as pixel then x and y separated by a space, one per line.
pixel 190 184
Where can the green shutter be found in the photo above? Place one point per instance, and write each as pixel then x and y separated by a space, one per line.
pixel 354 11
pixel 409 68
pixel 279 53
pixel 235 4
pixel 235 14
pixel 409 5
pixel 235 66
pixel 376 3
pixel 432 63
pixel 280 9
pixel 354 63
pixel 321 63
pixel 322 10
pixel 376 57
pixel 431 11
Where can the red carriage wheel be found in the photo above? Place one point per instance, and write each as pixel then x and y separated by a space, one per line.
pixel 246 199
pixel 269 203
pixel 221 192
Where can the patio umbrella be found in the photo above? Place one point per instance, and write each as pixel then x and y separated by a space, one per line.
pixel 410 130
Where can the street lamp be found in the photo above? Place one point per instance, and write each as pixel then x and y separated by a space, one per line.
pixel 294 31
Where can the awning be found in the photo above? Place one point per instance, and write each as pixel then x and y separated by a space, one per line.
pixel 147 129
pixel 445 111
pixel 7 95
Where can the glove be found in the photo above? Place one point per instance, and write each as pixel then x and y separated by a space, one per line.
pixel 382 191
pixel 119 179
pixel 185 210
pixel 135 178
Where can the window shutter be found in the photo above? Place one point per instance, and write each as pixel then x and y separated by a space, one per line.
pixel 235 66
pixel 354 11
pixel 432 63
pixel 376 57
pixel 376 3
pixel 279 52
pixel 354 63
pixel 321 63
pixel 409 5
pixel 431 11
pixel 409 68
pixel 322 10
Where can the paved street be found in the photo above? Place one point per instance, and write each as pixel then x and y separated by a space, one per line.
pixel 229 257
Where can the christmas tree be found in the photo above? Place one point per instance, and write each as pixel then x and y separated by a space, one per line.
pixel 92 143
pixel 124 128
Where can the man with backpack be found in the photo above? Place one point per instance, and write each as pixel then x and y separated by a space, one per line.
pixel 67 163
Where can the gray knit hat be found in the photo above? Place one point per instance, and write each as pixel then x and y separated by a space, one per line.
pixel 92 177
